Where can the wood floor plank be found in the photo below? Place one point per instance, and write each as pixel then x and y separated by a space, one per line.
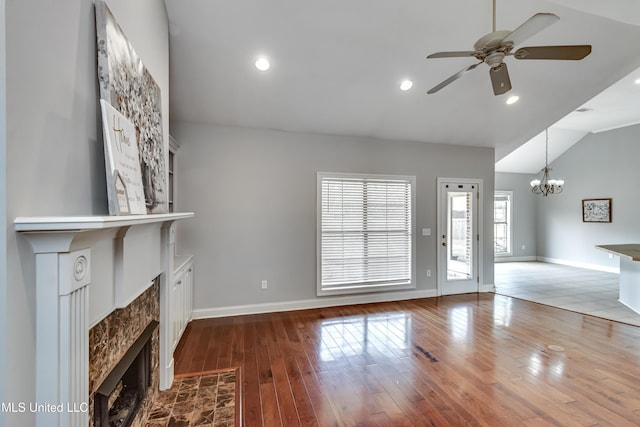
pixel 478 360
pixel 237 344
pixel 262 355
pixel 284 393
pixel 325 415
pixel 203 339
pixel 270 408
pixel 221 350
pixel 252 404
pixel 301 397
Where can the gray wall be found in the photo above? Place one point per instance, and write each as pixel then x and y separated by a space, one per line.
pixel 55 163
pixel 601 165
pixel 254 194
pixel 524 214
pixel 3 212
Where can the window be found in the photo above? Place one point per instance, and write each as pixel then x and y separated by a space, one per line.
pixel 502 222
pixel 365 233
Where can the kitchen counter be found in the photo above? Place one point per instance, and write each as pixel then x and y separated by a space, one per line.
pixel 629 273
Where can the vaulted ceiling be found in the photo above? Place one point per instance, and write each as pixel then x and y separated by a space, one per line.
pixel 336 67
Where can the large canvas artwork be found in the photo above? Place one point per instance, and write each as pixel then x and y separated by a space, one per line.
pixel 127 85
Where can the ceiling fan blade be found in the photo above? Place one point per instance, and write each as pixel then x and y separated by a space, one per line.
pixel 452 79
pixel 459 54
pixel 575 53
pixel 500 79
pixel 531 26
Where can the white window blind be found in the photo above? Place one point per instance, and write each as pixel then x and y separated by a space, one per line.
pixel 365 233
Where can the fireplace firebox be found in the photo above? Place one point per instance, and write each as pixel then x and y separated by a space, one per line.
pixel 121 394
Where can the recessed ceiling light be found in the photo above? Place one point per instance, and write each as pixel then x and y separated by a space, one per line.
pixel 262 64
pixel 512 99
pixel 406 85
pixel 637 81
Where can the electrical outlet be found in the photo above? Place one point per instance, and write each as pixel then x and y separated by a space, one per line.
pixel 264 284
pixel 428 273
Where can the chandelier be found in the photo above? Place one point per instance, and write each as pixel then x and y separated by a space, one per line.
pixel 545 185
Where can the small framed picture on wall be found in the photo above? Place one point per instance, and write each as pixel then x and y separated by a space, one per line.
pixel 596 210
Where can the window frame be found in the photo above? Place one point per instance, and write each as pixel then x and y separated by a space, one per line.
pixel 320 291
pixel 509 222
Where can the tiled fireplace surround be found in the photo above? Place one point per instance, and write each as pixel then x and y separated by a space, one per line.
pixel 112 337
pixel 97 278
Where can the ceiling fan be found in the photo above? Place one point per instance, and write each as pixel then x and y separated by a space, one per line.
pixel 495 46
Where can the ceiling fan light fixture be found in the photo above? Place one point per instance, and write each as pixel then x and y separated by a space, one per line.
pixel 512 99
pixel 494 47
pixel 406 85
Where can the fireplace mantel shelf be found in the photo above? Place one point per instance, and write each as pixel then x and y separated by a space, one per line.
pixel 87 223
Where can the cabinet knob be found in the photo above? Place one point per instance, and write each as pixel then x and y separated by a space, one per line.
pixel 179 282
pixel 190 270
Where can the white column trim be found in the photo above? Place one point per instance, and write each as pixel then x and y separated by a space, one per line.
pixel 62 337
pixel 166 347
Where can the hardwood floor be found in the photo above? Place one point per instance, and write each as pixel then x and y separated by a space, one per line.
pixel 472 359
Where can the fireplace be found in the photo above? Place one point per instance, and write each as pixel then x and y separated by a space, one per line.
pixel 123 362
pixel 80 335
pixel 122 393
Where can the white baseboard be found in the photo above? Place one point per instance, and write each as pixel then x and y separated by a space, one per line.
pixel 487 288
pixel 578 264
pixel 515 259
pixel 319 302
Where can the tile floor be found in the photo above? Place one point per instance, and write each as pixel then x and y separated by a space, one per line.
pixel 576 289
pixel 207 400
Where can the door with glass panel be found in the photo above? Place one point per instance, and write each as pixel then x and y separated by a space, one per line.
pixel 457 237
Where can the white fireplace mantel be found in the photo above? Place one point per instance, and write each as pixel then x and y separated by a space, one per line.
pixel 62 282
pixel 43 224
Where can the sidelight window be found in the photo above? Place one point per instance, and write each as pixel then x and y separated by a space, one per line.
pixel 502 223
